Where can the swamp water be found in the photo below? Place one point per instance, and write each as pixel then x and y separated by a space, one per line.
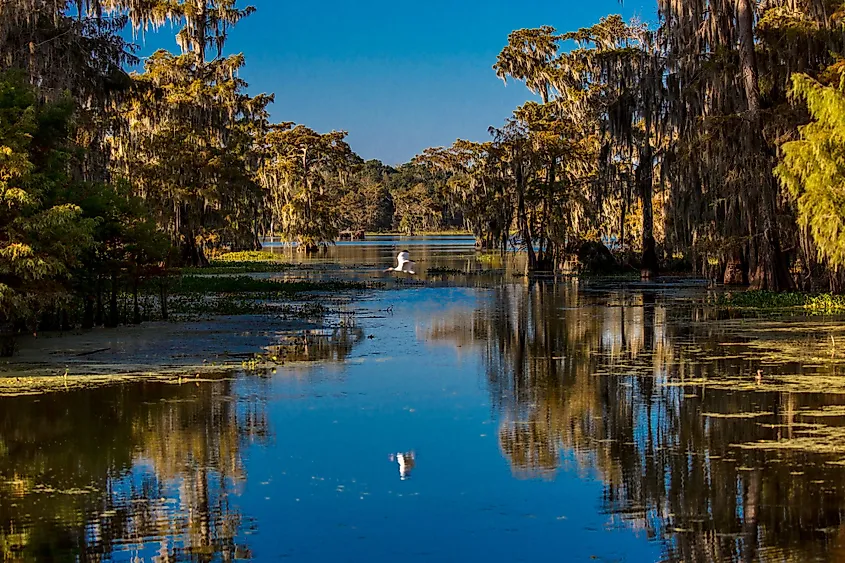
pixel 468 417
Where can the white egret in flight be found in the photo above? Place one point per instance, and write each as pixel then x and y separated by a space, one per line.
pixel 404 263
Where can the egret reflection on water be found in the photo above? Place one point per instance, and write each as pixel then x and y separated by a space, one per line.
pixel 406 463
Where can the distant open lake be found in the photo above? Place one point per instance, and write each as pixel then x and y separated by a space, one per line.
pixel 478 417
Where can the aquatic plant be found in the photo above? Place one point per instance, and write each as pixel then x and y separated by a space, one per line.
pixel 822 303
pixel 247 257
pixel 444 270
pixel 248 284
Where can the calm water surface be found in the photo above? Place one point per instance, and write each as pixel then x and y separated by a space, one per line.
pixel 487 419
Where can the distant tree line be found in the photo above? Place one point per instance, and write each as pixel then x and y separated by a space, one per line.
pixel 409 199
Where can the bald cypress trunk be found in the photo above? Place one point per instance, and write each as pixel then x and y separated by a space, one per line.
pixel 113 319
pixel 735 269
pixel 100 315
pixel 88 311
pixel 546 257
pixel 644 174
pixel 522 218
pixel 771 271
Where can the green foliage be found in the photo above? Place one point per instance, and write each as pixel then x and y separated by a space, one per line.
pixel 246 261
pixel 823 303
pixel 247 256
pixel 420 200
pixel 197 296
pixel 813 167
pixel 196 306
pixel 230 268
pixel 366 206
pixel 446 271
pixel 247 284
pixel 301 170
pixel 42 236
pixel 192 132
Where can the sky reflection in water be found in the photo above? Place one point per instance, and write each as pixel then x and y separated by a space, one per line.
pixel 499 421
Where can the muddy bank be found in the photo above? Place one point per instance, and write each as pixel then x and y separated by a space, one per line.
pixel 166 350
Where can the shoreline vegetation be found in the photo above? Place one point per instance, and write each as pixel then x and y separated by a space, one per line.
pixel 226 289
pixel 768 301
pixel 210 305
pixel 219 318
pixel 123 178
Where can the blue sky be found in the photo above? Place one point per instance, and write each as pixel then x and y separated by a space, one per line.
pixel 398 76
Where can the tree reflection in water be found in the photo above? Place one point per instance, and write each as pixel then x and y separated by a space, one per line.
pixel 333 344
pixel 594 382
pixel 149 468
pixel 89 472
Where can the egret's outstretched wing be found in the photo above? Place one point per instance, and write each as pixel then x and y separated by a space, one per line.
pixel 404 263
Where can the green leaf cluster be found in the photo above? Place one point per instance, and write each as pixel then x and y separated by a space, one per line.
pixel 813 166
pixel 42 234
